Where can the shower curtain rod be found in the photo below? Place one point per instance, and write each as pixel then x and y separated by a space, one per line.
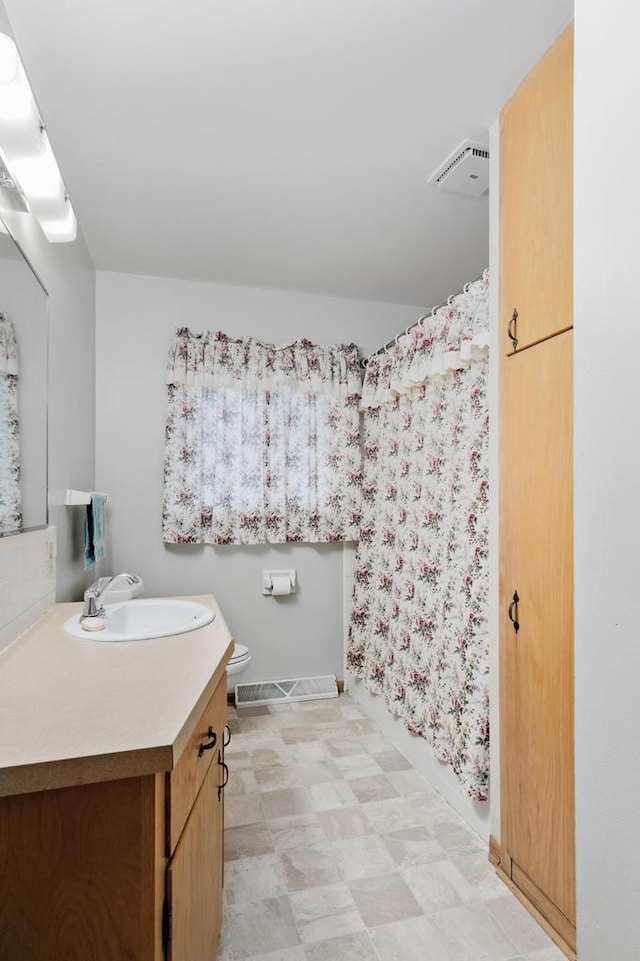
pixel 390 343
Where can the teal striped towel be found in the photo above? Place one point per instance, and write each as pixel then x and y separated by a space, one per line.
pixel 95 530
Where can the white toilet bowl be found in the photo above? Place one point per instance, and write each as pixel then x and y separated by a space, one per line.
pixel 239 659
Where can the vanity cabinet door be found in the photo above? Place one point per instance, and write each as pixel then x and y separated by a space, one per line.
pixel 188 775
pixel 194 878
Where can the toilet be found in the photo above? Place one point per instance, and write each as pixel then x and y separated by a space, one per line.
pixel 239 659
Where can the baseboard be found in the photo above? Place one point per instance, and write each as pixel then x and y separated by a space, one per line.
pixel 231 695
pixel 555 936
pixel 495 853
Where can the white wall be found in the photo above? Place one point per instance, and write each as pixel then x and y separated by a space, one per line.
pixel 607 472
pixel 67 273
pixel 136 318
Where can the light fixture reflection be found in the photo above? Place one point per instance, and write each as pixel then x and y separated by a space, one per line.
pixel 27 152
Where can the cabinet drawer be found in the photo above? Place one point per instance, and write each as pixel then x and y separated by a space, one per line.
pixel 188 775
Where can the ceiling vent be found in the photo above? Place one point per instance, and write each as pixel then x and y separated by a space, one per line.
pixel 465 171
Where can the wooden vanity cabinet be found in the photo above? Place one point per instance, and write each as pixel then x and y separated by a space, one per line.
pixel 193 896
pixel 120 870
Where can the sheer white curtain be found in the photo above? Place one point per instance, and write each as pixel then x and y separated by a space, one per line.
pixel 262 442
pixel 418 634
pixel 10 490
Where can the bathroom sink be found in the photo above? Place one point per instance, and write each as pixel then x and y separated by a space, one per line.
pixel 143 618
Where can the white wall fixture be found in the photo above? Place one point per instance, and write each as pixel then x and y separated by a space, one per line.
pixel 465 171
pixel 278 583
pixel 27 153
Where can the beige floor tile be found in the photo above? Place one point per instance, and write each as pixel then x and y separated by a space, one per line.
pixel 483 881
pixel 356 766
pixel 351 947
pixel 363 727
pixel 351 711
pixel 298 775
pixel 252 879
pixel 411 783
pixel 457 840
pixel 247 841
pixel 373 788
pixel 469 933
pixel 330 794
pixel 413 846
pixel 240 781
pixel 309 868
pixel 347 745
pixel 299 735
pixel 298 831
pixel 383 899
pixel 284 954
pixel 242 809
pixel 285 802
pixel 410 940
pixel 325 912
pixel 518 925
pixel 395 814
pixel 262 926
pixel 392 761
pixel 546 954
pixel 437 886
pixel 307 752
pixel 344 822
pixel 362 857
pixel 326 715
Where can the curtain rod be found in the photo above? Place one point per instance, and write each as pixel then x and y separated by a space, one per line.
pixel 394 340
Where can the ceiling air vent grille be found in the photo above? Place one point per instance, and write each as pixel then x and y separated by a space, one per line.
pixel 465 171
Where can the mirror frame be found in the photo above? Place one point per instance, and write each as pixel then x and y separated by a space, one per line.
pixel 29 264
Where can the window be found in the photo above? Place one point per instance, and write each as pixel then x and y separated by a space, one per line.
pixel 262 442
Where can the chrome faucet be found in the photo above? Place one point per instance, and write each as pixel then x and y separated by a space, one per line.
pixel 95 596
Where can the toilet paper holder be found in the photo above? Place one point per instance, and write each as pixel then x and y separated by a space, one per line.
pixel 279 583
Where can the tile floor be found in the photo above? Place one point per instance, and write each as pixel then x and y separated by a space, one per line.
pixel 336 849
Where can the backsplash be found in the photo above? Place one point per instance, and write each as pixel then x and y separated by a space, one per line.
pixel 27 580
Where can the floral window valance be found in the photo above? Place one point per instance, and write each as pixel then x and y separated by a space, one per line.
pixel 10 490
pixel 262 441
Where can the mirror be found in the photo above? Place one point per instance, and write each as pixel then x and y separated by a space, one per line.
pixel 23 391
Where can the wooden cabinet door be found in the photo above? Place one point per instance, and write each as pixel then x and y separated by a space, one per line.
pixel 194 878
pixel 536 200
pixel 200 753
pixel 536 662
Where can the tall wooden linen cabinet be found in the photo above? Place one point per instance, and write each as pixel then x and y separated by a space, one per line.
pixel 537 844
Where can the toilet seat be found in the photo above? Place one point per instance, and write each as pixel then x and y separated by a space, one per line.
pixel 239 659
pixel 240 654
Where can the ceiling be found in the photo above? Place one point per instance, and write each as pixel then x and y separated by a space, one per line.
pixel 283 144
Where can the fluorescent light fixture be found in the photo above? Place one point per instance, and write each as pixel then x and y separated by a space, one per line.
pixel 27 153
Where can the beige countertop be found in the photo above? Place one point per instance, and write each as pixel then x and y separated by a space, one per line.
pixel 78 710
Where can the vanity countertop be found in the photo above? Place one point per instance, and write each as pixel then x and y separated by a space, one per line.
pixel 77 710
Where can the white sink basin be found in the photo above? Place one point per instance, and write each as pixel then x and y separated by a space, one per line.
pixel 143 618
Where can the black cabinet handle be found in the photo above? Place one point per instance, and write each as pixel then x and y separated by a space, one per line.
pixel 511 329
pixel 212 743
pixel 226 738
pixel 513 606
pixel 222 786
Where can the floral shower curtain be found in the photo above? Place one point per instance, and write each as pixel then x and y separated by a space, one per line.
pixel 262 441
pixel 10 492
pixel 418 634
